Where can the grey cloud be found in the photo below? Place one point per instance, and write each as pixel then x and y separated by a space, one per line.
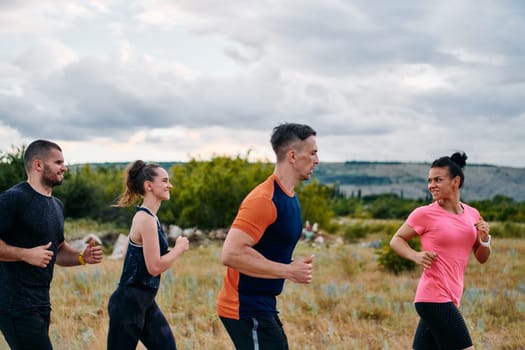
pixel 335 65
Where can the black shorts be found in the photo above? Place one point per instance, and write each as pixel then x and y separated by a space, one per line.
pixel 441 326
pixel 257 333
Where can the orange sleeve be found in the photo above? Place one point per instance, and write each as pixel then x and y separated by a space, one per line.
pixel 256 212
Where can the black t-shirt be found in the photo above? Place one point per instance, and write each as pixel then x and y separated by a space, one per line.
pixel 28 219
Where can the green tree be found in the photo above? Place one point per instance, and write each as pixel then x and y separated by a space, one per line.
pixel 89 191
pixel 207 194
pixel 389 206
pixel 12 169
pixel 500 208
pixel 316 202
pixel 78 193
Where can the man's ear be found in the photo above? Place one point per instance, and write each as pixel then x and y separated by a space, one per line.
pixel 291 155
pixel 38 164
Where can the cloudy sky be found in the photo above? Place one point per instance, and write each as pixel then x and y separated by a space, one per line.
pixel 173 80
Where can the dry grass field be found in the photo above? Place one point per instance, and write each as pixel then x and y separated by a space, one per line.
pixel 351 304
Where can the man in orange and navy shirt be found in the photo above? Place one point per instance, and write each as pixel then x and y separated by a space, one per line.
pixel 259 245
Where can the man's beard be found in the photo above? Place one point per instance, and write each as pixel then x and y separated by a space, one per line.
pixel 50 179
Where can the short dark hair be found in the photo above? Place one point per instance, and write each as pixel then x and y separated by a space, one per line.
pixel 455 164
pixel 38 149
pixel 287 133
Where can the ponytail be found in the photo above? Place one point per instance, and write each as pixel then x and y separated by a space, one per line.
pixel 137 173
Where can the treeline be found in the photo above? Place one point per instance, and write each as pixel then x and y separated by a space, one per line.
pixel 392 206
pixel 207 194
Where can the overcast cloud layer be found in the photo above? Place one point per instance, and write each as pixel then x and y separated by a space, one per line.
pixel 167 81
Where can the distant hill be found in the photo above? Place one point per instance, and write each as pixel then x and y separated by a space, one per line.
pixel 409 179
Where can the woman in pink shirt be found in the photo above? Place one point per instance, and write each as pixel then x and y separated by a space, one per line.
pixel 448 230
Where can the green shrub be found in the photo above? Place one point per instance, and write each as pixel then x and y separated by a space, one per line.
pixel 331 227
pixel 393 262
pixel 362 228
pixel 355 231
pixel 507 230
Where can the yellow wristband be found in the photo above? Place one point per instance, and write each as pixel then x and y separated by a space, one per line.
pixel 80 259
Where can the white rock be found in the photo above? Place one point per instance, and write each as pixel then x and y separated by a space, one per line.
pixel 120 247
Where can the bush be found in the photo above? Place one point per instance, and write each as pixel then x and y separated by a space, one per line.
pixel 356 231
pixel 362 228
pixel 393 262
pixel 508 230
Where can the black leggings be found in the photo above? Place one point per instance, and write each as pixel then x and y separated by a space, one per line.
pixel 257 333
pixel 440 327
pixel 134 315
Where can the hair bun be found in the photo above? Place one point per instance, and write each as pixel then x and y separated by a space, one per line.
pixel 460 158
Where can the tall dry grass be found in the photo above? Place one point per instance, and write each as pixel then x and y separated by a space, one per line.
pixel 351 304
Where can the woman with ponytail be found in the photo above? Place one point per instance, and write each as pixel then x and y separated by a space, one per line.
pixel 133 313
pixel 448 230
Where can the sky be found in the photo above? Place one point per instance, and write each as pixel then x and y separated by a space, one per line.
pixel 409 81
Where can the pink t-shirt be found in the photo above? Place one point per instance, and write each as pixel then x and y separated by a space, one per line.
pixel 452 237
